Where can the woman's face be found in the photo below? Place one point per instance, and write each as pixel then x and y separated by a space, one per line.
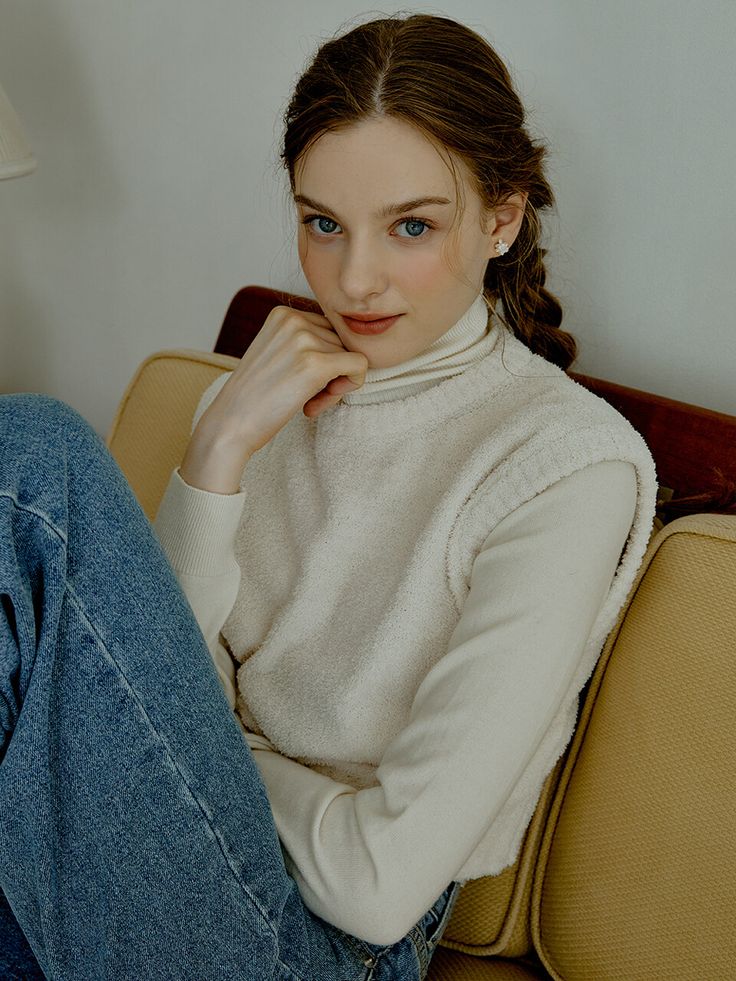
pixel 372 242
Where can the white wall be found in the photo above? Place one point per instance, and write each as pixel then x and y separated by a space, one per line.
pixel 158 192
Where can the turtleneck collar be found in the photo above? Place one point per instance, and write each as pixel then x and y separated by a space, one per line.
pixel 463 344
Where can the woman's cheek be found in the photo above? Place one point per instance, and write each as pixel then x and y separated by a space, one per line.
pixel 427 271
pixel 316 265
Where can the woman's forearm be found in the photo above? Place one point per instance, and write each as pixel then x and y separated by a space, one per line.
pixel 213 461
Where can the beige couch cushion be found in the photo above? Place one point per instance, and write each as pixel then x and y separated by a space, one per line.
pixel 637 869
pixel 450 966
pixel 150 432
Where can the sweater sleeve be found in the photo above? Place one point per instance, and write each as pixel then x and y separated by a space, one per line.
pixel 196 529
pixel 372 861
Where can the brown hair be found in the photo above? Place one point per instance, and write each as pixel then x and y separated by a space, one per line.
pixel 445 79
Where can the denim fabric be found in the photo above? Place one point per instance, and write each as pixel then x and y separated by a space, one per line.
pixel 136 838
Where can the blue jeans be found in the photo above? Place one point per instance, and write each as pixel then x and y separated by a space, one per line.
pixel 136 837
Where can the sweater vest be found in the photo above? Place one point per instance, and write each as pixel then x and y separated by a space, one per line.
pixel 356 547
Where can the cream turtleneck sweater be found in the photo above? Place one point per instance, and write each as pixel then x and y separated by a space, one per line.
pixel 404 697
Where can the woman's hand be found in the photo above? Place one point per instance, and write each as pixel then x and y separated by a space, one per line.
pixel 295 362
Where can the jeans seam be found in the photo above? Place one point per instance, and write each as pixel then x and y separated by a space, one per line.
pixel 36 513
pixel 215 833
pixel 420 949
pixel 290 969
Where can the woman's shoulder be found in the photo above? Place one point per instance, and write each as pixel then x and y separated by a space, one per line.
pixel 541 399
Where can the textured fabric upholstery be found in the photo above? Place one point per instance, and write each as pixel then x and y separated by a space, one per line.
pixel 151 429
pixel 636 876
pixel 447 965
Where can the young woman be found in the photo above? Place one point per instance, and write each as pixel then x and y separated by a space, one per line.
pixel 400 533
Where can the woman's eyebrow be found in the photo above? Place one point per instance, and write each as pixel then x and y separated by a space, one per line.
pixel 385 212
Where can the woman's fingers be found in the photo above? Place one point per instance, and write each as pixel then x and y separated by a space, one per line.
pixel 318 403
pixel 320 327
pixel 295 362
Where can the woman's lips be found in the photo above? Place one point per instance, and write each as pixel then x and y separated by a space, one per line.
pixel 377 326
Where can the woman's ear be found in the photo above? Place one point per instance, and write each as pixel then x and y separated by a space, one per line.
pixel 504 221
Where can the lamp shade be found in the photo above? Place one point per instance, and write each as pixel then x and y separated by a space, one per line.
pixel 16 158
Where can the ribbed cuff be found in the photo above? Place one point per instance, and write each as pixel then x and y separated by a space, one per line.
pixel 197 528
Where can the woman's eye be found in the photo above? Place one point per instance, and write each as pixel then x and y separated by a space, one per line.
pixel 326 226
pixel 321 225
pixel 414 227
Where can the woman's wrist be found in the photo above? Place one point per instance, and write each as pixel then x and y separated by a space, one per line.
pixel 213 463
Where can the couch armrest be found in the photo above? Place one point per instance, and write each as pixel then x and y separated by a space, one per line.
pixel 151 429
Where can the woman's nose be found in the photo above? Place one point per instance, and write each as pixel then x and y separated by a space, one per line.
pixel 363 271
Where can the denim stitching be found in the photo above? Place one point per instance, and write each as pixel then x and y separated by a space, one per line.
pixel 290 970
pixel 368 958
pixel 38 514
pixel 420 949
pixel 215 833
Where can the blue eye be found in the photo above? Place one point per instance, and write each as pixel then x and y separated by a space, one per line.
pixel 326 225
pixel 415 227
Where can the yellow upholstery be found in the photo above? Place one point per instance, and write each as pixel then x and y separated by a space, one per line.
pixel 628 868
pixel 150 432
pixel 636 877
pixel 447 965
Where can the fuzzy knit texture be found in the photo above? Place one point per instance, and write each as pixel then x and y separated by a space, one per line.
pixel 414 587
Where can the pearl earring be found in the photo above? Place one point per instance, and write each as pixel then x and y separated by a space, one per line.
pixel 501 247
